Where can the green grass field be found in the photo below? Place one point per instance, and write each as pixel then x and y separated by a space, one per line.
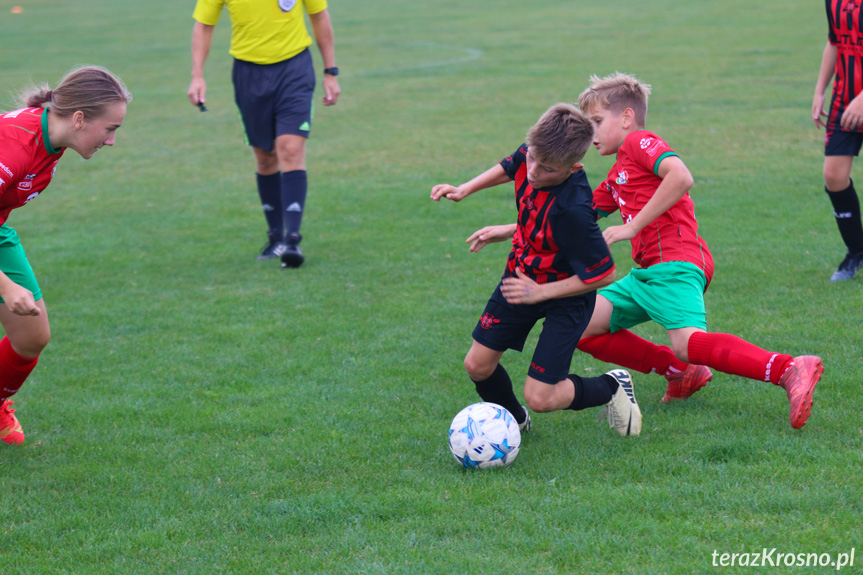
pixel 200 412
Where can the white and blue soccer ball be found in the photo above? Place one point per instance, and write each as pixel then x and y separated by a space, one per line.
pixel 484 435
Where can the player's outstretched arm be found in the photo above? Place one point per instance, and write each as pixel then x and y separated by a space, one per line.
pixel 18 299
pixel 492 177
pixel 676 183
pixel 523 290
pixel 825 74
pixel 202 39
pixel 489 235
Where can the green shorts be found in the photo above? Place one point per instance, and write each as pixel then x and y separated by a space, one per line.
pixel 670 293
pixel 13 262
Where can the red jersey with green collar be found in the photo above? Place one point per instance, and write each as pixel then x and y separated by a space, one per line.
pixel 556 235
pixel 631 183
pixel 27 160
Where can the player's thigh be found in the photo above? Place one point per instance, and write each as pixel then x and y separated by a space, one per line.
pixel 600 320
pixel 565 322
pixel 28 334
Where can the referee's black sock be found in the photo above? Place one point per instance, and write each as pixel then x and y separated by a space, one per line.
pixel 846 209
pixel 294 187
pixel 270 192
pixel 498 389
pixel 592 391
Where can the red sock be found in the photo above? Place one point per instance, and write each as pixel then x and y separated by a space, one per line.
pixel 730 354
pixel 626 349
pixel 14 369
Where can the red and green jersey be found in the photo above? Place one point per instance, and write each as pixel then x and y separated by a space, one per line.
pixel 556 235
pixel 631 183
pixel 844 32
pixel 27 160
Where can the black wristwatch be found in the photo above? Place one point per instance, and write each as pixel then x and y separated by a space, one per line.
pixel 331 71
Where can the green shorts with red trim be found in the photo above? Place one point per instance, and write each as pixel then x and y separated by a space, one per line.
pixel 670 293
pixel 14 263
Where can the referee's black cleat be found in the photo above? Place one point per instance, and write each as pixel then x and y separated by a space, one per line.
pixel 292 257
pixel 848 267
pixel 274 249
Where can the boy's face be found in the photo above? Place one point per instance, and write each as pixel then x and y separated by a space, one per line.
pixel 541 174
pixel 611 129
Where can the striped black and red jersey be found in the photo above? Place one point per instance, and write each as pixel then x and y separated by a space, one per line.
pixel 845 19
pixel 556 234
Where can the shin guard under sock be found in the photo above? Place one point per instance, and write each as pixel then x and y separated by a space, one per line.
pixel 14 369
pixel 846 210
pixel 730 354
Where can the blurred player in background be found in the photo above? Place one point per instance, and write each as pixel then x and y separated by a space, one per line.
pixel 842 62
pixel 82 113
pixel 274 81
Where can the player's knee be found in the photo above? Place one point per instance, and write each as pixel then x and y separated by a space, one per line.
pixel 31 344
pixel 835 182
pixel 539 399
pixel 476 369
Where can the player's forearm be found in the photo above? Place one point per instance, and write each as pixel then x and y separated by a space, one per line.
pixel 676 183
pixel 573 286
pixel 490 178
pixel 828 66
pixel 202 40
pixel 322 27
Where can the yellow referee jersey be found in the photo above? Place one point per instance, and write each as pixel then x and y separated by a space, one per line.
pixel 263 31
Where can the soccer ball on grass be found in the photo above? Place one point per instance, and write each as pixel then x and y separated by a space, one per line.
pixel 484 435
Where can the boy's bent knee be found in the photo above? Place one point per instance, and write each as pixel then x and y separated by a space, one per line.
pixel 478 370
pixel 541 398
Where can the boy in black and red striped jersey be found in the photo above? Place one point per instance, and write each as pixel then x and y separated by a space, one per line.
pixel 650 186
pixel 557 244
pixel 842 59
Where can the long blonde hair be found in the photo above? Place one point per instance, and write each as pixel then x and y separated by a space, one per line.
pixel 88 89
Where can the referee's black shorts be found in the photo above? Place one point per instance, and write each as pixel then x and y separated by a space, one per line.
pixel 275 99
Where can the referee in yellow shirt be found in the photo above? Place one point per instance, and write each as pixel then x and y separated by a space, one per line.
pixel 274 80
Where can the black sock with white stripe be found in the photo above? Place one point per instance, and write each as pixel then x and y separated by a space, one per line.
pixel 294 187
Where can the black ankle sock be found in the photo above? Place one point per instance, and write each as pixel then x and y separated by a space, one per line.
pixel 498 389
pixel 846 209
pixel 270 192
pixel 592 391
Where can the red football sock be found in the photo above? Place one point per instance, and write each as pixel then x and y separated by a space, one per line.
pixel 14 369
pixel 730 354
pixel 626 349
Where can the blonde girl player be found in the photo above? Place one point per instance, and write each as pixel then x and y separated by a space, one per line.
pixel 82 113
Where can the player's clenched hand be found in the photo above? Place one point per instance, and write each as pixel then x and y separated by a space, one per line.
pixel 521 289
pixel 488 235
pixel 447 191
pixel 614 234
pixel 20 301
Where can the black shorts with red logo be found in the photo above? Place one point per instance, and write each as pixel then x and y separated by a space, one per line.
pixel 506 326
